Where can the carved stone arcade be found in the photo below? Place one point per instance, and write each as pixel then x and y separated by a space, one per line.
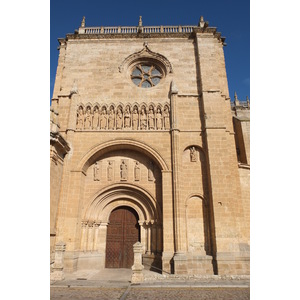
pixel 131 117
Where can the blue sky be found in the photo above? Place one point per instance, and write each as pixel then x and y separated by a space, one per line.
pixel 231 17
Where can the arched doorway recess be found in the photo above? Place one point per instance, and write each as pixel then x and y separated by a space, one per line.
pixel 145 220
pixel 106 187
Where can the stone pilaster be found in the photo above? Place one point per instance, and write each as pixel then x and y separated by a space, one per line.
pixel 180 245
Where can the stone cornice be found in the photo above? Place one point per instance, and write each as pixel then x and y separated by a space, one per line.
pixel 211 30
pixel 130 35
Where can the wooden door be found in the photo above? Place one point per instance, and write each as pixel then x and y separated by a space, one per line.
pixel 122 234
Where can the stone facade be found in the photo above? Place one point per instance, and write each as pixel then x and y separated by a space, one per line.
pixel 145 122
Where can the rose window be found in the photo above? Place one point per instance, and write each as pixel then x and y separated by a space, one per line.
pixel 146 76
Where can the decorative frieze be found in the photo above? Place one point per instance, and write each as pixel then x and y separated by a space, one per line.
pixel 130 117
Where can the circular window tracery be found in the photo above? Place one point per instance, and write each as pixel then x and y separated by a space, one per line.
pixel 146 75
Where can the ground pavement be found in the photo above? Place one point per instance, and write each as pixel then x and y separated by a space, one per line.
pixel 114 284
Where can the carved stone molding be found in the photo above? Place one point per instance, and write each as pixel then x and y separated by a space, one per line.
pixel 147 54
pixel 59 147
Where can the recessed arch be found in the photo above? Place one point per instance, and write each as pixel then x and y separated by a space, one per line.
pixel 196 195
pixel 197 229
pixel 115 195
pixel 90 157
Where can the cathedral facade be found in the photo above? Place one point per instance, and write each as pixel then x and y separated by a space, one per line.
pixel 146 146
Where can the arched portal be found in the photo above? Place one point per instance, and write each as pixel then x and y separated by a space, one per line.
pixel 123 231
pixel 118 216
pixel 121 173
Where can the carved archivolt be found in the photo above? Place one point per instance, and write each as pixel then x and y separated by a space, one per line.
pixel 146 55
pixel 123 117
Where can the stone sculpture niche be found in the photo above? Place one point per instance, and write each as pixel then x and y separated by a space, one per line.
pixel 193 154
pixel 96 172
pixel 137 171
pixel 124 170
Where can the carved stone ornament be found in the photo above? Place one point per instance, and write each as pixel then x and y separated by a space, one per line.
pixel 74 89
pixel 96 172
pixel 124 170
pixel 193 154
pixel 143 54
pixel 110 171
pixel 141 116
pixel 137 171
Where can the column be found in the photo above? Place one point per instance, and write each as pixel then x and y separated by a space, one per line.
pixel 143 236
pixel 153 238
pixel 96 234
pixel 83 235
pixel 90 235
pixel 148 237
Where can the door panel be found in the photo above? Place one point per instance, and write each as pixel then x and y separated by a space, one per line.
pixel 122 234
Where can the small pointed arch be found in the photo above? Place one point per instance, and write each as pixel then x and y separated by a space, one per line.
pixel 96 104
pixel 166 104
pixel 153 105
pixel 96 107
pixel 166 109
pixel 158 106
pixel 120 105
pixel 80 105
pixel 145 106
pixel 129 106
pixel 89 106
pixel 112 106
pixel 136 107
pixel 104 107
pixel 135 104
pixel 80 108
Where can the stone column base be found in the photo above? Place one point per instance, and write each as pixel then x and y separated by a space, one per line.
pixel 167 263
pixel 180 263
